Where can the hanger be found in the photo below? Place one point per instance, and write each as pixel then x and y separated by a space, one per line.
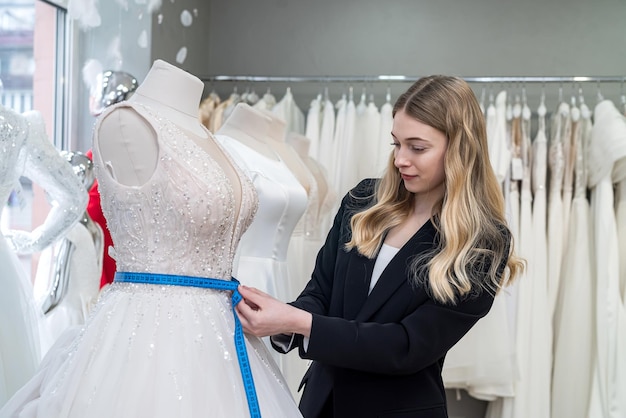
pixel 388 96
pixel 599 96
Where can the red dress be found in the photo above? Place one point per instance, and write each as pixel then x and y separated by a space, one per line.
pixel 95 212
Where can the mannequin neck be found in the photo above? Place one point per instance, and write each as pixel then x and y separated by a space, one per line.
pixel 277 128
pixel 300 143
pixel 175 93
pixel 256 123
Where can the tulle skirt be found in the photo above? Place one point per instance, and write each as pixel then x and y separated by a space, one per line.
pixel 19 325
pixel 153 351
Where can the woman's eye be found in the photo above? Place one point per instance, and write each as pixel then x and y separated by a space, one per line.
pixel 418 148
pixel 395 144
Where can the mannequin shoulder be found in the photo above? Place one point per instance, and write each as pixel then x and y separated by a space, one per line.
pixel 128 142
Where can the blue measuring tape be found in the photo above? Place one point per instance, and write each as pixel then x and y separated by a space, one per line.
pixel 240 343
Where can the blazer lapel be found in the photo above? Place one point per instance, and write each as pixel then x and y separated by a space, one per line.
pixel 357 284
pixel 396 272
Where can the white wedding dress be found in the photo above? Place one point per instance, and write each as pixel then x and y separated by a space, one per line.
pixel 28 152
pixel 157 350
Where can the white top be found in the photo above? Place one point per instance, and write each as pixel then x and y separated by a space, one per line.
pixel 385 255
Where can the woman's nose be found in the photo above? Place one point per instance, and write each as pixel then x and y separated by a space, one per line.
pixel 400 159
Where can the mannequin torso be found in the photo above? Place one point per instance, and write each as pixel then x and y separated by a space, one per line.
pixel 128 142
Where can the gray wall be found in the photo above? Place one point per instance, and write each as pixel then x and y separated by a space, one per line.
pixel 165 36
pixel 416 37
pixel 170 35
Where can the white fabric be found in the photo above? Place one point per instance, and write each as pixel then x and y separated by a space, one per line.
pixel 83 285
pixel 574 325
pixel 288 111
pixel 26 151
pixel 499 152
pixel 556 160
pixel 162 351
pixel 313 126
pixel 385 255
pixel 346 167
pixel 19 333
pixel 367 142
pixel 607 153
pixel 385 139
pixel 265 248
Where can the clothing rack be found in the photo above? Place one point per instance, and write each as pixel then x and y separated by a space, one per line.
pixel 405 78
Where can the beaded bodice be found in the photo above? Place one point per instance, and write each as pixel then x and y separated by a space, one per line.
pixel 184 220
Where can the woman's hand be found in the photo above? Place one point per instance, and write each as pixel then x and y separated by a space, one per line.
pixel 262 315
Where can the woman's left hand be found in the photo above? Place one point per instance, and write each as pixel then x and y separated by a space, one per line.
pixel 262 315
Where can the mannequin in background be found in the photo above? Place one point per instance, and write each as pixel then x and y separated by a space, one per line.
pixel 286 152
pixel 110 87
pixel 159 343
pixel 68 273
pixel 262 251
pixel 29 153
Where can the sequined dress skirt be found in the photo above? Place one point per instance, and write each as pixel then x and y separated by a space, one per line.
pixel 153 351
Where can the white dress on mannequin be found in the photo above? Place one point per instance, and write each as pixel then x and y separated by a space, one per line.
pixel 160 350
pixel 262 251
pixel 28 152
pixel 265 248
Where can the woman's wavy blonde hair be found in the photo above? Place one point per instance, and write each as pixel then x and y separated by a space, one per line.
pixel 474 244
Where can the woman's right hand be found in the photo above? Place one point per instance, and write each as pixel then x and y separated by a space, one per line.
pixel 263 315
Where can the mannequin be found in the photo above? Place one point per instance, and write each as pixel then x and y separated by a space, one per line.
pixel 110 87
pixel 29 153
pixel 262 252
pixel 129 145
pixel 263 249
pixel 163 339
pixel 252 128
pixel 68 273
pixel 286 152
pixel 301 144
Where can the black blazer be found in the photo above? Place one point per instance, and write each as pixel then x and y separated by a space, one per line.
pixel 379 355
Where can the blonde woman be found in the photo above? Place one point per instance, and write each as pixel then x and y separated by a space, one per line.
pixel 412 262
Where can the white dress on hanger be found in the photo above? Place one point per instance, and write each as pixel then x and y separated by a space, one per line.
pixel 288 111
pixel 574 325
pixel 327 132
pixel 556 160
pixel 158 350
pixel 607 156
pixel 28 152
pixel 367 138
pixel 346 166
pixel 312 128
pixel 384 139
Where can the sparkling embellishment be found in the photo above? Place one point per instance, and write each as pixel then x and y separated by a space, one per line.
pixel 27 151
pixel 185 220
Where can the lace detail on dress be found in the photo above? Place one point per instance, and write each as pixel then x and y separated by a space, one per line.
pixel 27 151
pixel 180 221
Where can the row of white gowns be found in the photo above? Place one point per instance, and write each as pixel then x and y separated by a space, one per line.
pixel 561 353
